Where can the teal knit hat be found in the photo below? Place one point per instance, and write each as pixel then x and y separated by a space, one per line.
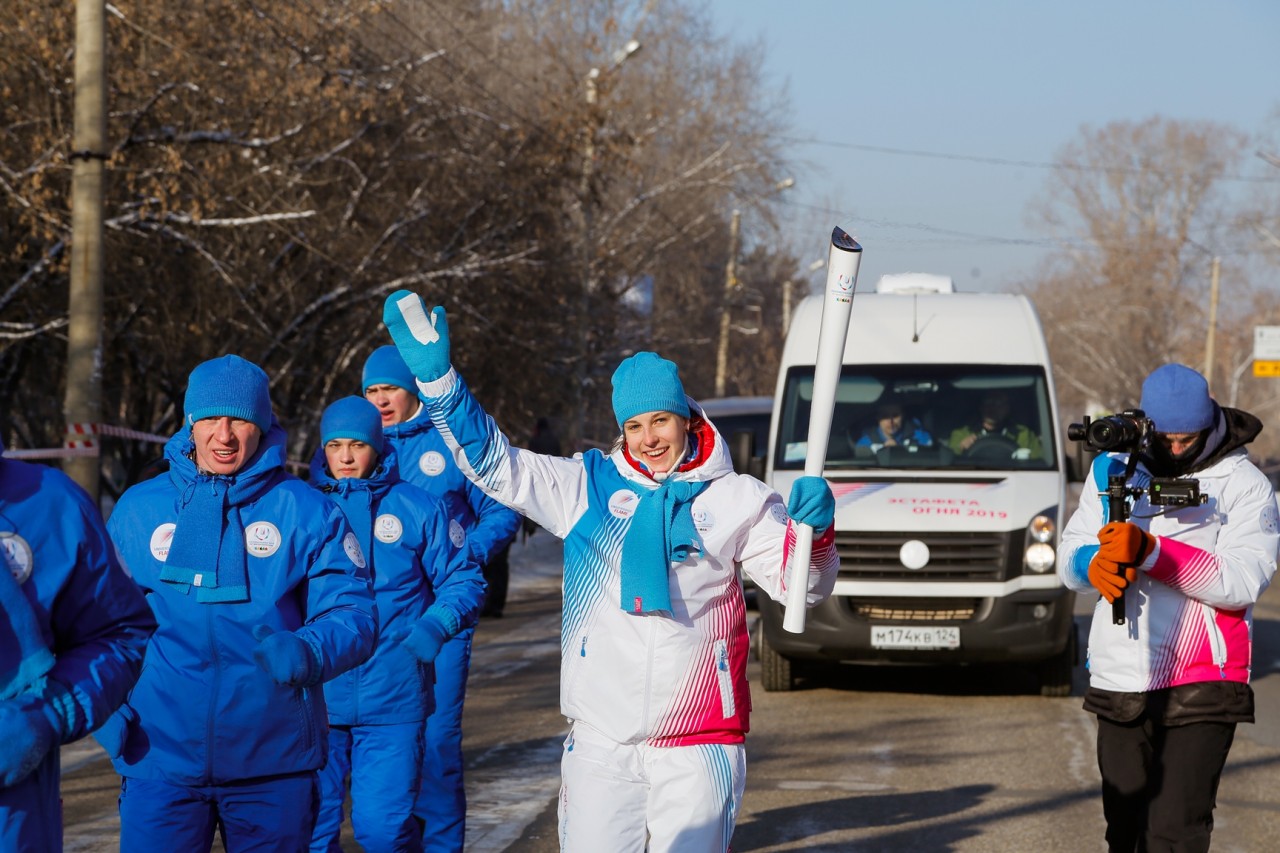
pixel 229 387
pixel 385 366
pixel 352 417
pixel 647 382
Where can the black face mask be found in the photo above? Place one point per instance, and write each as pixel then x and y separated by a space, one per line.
pixel 1161 463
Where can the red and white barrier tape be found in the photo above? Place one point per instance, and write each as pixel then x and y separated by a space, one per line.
pixel 82 440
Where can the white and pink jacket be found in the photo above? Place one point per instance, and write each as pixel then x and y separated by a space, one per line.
pixel 1190 613
pixel 667 679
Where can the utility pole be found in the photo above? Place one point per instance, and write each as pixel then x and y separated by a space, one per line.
pixel 1213 320
pixel 83 401
pixel 730 284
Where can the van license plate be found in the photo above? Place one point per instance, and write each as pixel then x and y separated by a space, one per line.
pixel 901 637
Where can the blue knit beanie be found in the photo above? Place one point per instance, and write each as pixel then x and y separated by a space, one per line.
pixel 352 417
pixel 647 382
pixel 1176 398
pixel 229 387
pixel 385 366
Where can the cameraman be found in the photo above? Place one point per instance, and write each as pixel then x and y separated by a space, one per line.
pixel 1170 684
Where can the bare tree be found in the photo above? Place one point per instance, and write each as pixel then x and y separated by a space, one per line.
pixel 1134 204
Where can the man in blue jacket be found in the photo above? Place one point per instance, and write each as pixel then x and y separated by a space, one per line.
pixel 261 592
pixel 425 461
pixel 72 631
pixel 427 589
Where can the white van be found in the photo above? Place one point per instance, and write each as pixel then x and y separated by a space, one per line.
pixel 947 536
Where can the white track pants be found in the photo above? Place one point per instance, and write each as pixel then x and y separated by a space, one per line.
pixel 620 797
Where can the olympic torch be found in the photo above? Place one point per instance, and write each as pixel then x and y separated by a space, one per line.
pixel 842 280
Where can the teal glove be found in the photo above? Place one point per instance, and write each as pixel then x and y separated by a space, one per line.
pixel 26 736
pixel 423 342
pixel 286 657
pixel 812 503
pixel 428 635
pixel 115 731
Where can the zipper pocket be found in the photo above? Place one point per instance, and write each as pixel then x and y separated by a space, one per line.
pixel 1216 643
pixel 724 676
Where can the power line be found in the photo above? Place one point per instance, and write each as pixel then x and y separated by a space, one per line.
pixel 995 161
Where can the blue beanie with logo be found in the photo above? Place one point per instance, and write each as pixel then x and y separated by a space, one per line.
pixel 647 382
pixel 355 418
pixel 385 366
pixel 229 387
pixel 1177 400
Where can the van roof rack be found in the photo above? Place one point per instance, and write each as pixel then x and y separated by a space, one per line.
pixel 915 282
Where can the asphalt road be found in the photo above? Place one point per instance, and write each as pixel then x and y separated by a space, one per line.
pixel 857 758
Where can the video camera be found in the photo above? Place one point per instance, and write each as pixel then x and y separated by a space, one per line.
pixel 1130 432
pixel 1127 432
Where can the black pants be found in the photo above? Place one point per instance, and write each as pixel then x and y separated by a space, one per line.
pixel 496 575
pixel 1160 783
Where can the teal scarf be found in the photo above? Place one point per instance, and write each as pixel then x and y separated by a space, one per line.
pixel 661 533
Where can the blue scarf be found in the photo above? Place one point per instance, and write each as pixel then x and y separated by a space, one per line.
pixel 208 551
pixel 661 533
pixel 358 499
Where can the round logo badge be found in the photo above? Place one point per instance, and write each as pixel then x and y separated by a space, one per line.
pixel 703 520
pixel 779 513
pixel 914 554
pixel 387 528
pixel 352 546
pixel 431 462
pixel 262 539
pixel 161 539
pixel 1269 521
pixel 18 556
pixel 457 535
pixel 622 503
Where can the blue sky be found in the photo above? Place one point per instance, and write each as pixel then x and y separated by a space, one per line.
pixel 989 79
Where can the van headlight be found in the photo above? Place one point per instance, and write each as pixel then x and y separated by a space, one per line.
pixel 1039 555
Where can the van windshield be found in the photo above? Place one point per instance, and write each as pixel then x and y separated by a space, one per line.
pixel 953 416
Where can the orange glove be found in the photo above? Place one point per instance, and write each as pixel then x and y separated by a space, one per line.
pixel 1108 577
pixel 1125 543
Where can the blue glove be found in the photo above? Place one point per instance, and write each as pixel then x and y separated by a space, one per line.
pixel 423 342
pixel 26 736
pixel 286 657
pixel 427 637
pixel 812 503
pixel 115 731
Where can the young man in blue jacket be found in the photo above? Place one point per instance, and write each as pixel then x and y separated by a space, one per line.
pixel 261 592
pixel 425 461
pixel 72 631
pixel 427 589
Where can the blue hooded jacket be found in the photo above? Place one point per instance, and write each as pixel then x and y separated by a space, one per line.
pixel 419 562
pixel 426 462
pixel 207 713
pixel 86 612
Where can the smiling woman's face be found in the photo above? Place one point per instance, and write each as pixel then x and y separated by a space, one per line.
pixel 657 439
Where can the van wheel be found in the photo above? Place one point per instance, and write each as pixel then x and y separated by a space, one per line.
pixel 1055 673
pixel 777 674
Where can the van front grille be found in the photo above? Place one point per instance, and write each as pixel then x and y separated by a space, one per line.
pixel 899 610
pixel 952 556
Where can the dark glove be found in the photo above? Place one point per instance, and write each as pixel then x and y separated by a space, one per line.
pixel 427 637
pixel 1125 543
pixel 812 503
pixel 1107 577
pixel 26 736
pixel 115 731
pixel 286 657
pixel 423 340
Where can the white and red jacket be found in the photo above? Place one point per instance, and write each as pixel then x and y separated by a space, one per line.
pixel 668 679
pixel 1190 611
